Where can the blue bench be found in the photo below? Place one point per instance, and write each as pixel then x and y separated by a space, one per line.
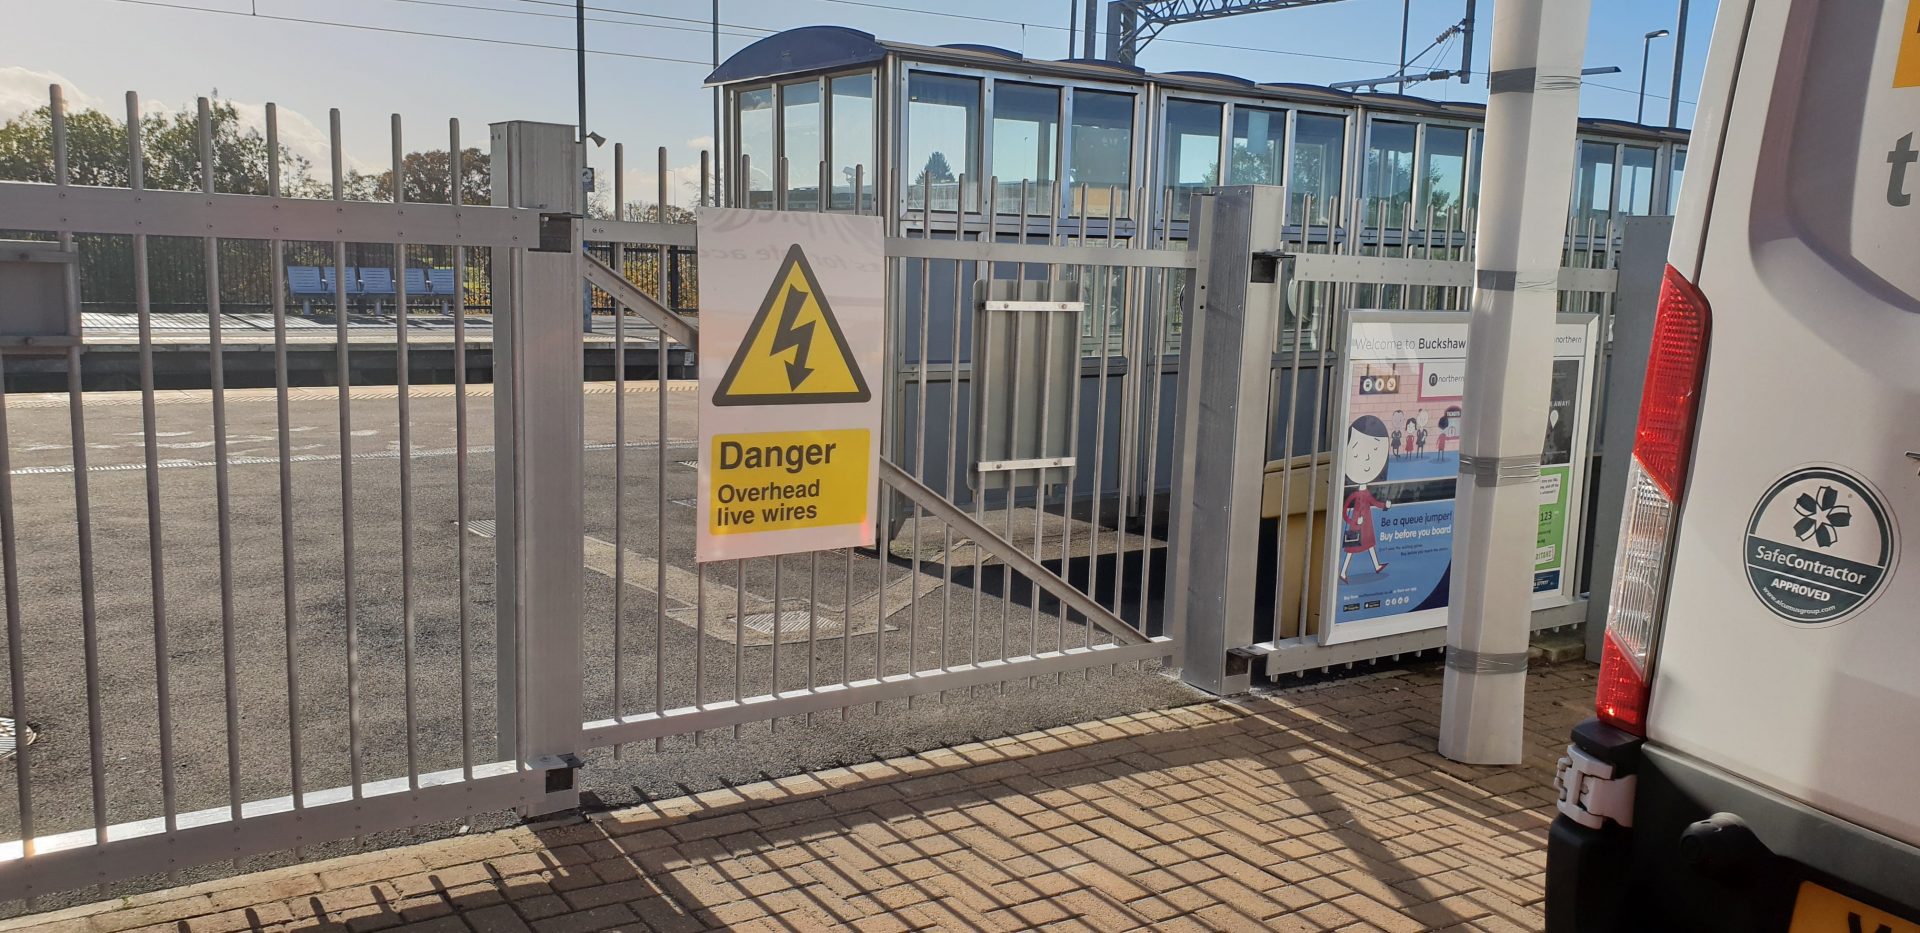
pixel 430 283
pixel 378 283
pixel 306 284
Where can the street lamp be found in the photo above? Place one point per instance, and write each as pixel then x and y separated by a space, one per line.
pixel 1640 112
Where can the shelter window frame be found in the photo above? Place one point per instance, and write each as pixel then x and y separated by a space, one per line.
pixel 966 183
pixel 1465 181
pixel 1043 194
pixel 1371 200
pixel 1176 193
pixel 1094 202
pixel 742 190
pixel 866 200
pixel 1335 164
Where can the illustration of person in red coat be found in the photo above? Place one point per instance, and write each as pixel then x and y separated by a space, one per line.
pixel 1364 464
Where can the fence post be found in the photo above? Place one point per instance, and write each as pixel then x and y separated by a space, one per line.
pixel 538 495
pixel 1226 368
pixel 1643 259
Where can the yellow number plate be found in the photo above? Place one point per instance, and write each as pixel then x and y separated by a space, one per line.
pixel 1819 910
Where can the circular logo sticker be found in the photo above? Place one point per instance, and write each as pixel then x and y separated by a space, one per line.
pixel 1819 545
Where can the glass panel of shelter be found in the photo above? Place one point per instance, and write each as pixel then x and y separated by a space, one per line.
pixel 753 125
pixel 801 146
pixel 943 125
pixel 850 144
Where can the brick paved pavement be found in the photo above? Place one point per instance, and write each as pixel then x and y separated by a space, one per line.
pixel 1320 808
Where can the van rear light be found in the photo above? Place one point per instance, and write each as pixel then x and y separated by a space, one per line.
pixel 1656 475
pixel 1664 438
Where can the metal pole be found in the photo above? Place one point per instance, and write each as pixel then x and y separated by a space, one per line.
pixel 1092 34
pixel 1073 25
pixel 1533 105
pixel 1679 59
pixel 1640 106
pixel 1406 22
pixel 580 66
pixel 716 98
pixel 1466 45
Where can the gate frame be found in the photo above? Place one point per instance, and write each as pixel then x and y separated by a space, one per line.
pixel 1228 634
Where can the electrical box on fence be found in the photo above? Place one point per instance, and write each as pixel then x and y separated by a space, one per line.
pixel 35 279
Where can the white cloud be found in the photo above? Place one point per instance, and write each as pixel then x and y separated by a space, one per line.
pixel 23 90
pixel 700 142
pixel 683 185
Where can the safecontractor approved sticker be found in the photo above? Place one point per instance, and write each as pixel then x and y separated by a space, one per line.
pixel 1819 545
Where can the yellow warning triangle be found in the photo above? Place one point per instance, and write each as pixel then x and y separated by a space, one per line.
pixel 794 352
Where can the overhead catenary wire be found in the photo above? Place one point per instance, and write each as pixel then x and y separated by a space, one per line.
pixel 162 4
pixel 393 30
pixel 705 29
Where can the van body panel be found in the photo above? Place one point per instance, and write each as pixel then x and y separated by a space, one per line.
pixel 1810 263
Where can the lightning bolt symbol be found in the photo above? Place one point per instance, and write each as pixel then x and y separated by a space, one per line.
pixel 799 339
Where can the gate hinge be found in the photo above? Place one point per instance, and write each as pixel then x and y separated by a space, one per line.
pixel 1589 792
pixel 558 233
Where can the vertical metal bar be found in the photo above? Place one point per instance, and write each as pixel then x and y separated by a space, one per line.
pixel 343 374
pixel 288 590
pixel 953 432
pixel 981 405
pixel 222 493
pixel 846 595
pixel 1015 373
pixel 813 571
pixel 773 677
pixel 402 375
pixel 660 452
pixel 16 637
pixel 82 498
pixel 156 552
pixel 456 196
pixel 1100 429
pixel 619 256
pixel 1127 449
pixel 919 463
pixel 1073 429
pixel 739 624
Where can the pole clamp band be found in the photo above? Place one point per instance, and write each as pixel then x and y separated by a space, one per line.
pixel 1500 471
pixel 1475 662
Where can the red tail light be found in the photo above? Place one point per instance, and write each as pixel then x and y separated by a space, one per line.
pixel 1655 478
pixel 1672 390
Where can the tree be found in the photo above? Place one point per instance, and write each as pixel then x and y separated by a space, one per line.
pixel 426 174
pixel 170 143
pixel 936 171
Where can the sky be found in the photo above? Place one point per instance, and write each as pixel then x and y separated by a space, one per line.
pixel 647 59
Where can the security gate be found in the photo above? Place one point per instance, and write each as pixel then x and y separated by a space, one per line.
pixel 282 592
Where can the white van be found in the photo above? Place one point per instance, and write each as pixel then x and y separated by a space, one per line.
pixel 1755 762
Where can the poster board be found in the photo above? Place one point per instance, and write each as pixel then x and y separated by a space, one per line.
pixel 1396 466
pixel 1397 462
pixel 1564 461
pixel 792 350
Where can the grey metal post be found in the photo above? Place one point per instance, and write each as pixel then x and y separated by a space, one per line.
pixel 1679 61
pixel 1230 316
pixel 1643 259
pixel 1532 109
pixel 537 461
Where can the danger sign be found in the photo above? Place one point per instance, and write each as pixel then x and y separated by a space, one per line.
pixel 792 317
